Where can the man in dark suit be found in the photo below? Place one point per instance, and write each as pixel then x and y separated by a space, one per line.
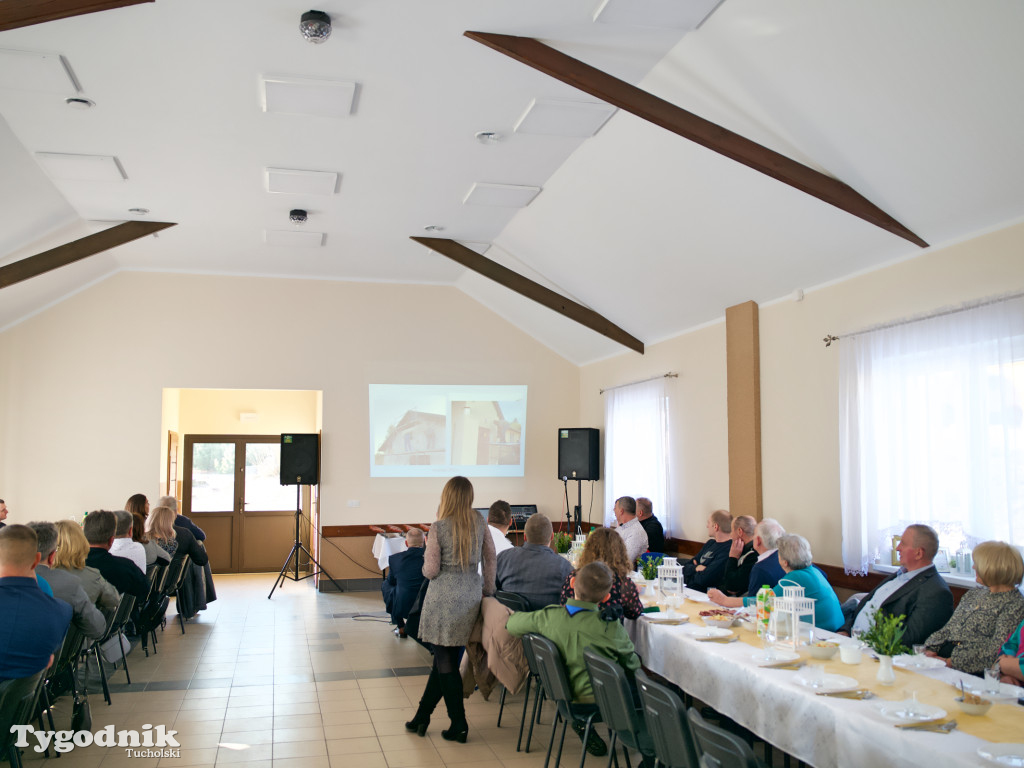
pixel 651 524
pixel 405 576
pixel 916 591
pixel 99 528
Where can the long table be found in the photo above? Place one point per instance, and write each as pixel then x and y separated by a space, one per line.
pixel 823 731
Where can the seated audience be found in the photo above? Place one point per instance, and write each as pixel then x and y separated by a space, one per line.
pixel 124 546
pixel 499 518
pixel 72 550
pixel 533 570
pixel 742 557
pixel 986 615
pixel 652 525
pixel 137 504
pixel 177 541
pixel 766 571
pixel 180 521
pixel 153 551
pixel 916 591
pixel 405 576
pixel 580 624
pixel 606 546
pixel 1011 659
pixel 99 528
pixel 708 567
pixel 630 529
pixel 86 616
pixel 34 624
pixel 3 513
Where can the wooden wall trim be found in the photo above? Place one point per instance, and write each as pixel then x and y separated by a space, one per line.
pixel 743 396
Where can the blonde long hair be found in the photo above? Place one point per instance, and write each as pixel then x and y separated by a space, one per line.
pixel 457 505
pixel 160 524
pixel 72 546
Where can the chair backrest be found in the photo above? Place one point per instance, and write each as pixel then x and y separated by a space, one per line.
pixel 512 600
pixel 615 700
pixel 155 574
pixel 665 715
pixel 120 617
pixel 175 574
pixel 551 670
pixel 719 748
pixel 74 639
pixel 18 700
pixel 531 660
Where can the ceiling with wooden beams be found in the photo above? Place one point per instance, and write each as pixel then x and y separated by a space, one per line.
pixel 914 105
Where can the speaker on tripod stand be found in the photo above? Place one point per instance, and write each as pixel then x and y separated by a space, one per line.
pixel 300 465
pixel 579 459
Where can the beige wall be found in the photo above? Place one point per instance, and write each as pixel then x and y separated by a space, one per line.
pixel 799 384
pixel 84 403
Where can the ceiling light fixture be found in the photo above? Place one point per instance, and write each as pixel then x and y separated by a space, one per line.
pixel 76 102
pixel 297 216
pixel 315 26
pixel 488 137
pixel 138 211
pixel 433 228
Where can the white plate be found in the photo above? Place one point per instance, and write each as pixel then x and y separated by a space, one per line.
pixel 899 712
pixel 909 661
pixel 830 683
pixel 778 657
pixel 1003 754
pixel 1005 693
pixel 695 631
pixel 697 597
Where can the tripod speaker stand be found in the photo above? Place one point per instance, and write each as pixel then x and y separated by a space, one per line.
pixel 298 547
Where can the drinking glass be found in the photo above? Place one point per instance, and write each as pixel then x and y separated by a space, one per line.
pixel 992 679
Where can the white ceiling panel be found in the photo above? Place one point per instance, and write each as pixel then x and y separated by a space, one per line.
pixel 559 117
pixel 37 72
pixel 307 96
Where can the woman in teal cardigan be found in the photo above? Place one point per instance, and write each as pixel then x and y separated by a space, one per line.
pixel 796 560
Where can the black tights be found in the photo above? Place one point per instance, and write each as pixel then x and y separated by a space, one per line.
pixel 446 658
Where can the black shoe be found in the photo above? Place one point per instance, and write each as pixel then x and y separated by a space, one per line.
pixel 418 724
pixel 595 744
pixel 458 732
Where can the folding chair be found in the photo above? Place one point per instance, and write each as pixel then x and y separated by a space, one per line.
pixel 151 612
pixel 538 698
pixel 717 747
pixel 117 622
pixel 665 715
pixel 615 703
pixel 557 689
pixel 174 583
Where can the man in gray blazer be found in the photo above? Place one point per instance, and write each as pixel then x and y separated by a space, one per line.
pixel 534 570
pixel 916 591
pixel 86 616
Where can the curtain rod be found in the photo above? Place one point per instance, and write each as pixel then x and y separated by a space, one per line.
pixel 829 338
pixel 668 375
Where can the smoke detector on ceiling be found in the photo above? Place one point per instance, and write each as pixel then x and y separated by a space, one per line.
pixel 297 216
pixel 315 26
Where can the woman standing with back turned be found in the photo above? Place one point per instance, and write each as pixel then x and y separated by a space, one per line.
pixel 457 543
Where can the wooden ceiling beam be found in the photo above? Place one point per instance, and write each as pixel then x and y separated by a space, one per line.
pixel 25 13
pixel 625 96
pixel 77 250
pixel 470 259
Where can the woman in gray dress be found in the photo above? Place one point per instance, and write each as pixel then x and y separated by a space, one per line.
pixel 457 544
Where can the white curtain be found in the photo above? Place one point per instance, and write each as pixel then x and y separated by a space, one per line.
pixel 931 430
pixel 636 447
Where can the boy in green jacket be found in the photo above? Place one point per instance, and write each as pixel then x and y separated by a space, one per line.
pixel 578 625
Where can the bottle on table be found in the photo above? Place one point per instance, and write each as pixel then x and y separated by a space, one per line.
pixel 764 608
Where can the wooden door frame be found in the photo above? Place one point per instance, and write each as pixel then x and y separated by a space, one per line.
pixel 238 513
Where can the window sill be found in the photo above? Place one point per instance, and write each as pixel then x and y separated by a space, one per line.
pixel 957 579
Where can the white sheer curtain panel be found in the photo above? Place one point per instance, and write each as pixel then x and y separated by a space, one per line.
pixel 931 430
pixel 636 447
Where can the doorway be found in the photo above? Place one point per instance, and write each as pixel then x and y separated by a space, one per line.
pixel 231 489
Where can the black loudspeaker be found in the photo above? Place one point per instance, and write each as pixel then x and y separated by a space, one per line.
pixel 300 459
pixel 578 454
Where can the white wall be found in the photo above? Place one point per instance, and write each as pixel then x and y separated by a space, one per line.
pixel 799 384
pixel 82 397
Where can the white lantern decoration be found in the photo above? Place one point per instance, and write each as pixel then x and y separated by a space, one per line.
pixel 577 548
pixel 670 579
pixel 787 613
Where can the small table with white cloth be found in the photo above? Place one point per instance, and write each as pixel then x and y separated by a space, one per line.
pixel 386 546
pixel 823 731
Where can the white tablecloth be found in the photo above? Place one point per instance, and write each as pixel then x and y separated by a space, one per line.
pixel 823 731
pixel 386 546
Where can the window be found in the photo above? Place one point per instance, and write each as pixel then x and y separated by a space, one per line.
pixel 932 431
pixel 636 447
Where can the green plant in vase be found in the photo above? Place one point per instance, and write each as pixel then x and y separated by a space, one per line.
pixel 885 638
pixel 649 567
pixel 563 542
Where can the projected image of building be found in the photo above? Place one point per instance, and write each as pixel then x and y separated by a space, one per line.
pixel 417 439
pixel 481 435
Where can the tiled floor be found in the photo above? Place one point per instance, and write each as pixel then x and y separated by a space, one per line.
pixel 304 680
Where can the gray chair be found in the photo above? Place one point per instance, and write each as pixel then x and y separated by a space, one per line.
pixel 556 687
pixel 614 699
pixel 717 747
pixel 538 698
pixel 117 622
pixel 18 702
pixel 665 715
